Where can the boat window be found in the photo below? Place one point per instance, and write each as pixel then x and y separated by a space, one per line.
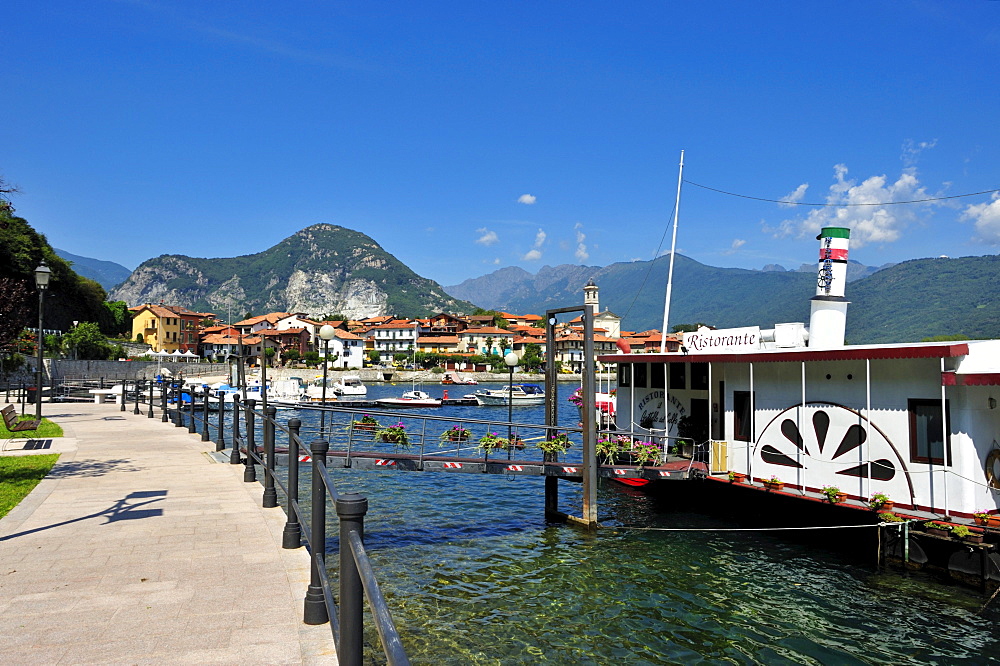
pixel 624 374
pixel 678 373
pixel 699 376
pixel 657 376
pixel 927 437
pixel 640 374
pixel 742 418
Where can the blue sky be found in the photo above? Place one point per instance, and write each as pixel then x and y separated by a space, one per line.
pixel 466 136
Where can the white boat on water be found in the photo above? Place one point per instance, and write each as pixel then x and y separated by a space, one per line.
pixel 349 385
pixel 516 395
pixel 455 378
pixel 411 399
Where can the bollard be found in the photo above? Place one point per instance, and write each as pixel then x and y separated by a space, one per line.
pixel 315 611
pixel 292 535
pixel 124 393
pixel 204 414
pixel 178 405
pixel 234 455
pixel 149 398
pixel 270 500
pixel 250 472
pixel 138 393
pixel 351 510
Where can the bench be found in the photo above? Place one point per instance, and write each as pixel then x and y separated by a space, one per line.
pixel 13 424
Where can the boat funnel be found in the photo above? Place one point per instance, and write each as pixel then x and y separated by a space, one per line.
pixel 828 319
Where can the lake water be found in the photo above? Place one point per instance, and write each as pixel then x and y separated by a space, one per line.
pixel 474 575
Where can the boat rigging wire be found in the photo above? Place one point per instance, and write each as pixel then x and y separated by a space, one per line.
pixel 839 205
pixel 749 529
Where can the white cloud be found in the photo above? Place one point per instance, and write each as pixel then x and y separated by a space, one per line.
pixel 868 223
pixel 581 253
pixel 912 150
pixel 795 195
pixel 527 199
pixel 736 245
pixel 487 237
pixel 987 219
pixel 536 250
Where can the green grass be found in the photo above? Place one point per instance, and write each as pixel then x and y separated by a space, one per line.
pixel 19 475
pixel 46 429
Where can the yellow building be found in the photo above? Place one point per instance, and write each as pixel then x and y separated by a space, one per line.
pixel 167 327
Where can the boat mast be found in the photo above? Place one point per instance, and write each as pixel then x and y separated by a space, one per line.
pixel 673 249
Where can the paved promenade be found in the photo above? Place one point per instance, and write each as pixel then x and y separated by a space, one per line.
pixel 139 548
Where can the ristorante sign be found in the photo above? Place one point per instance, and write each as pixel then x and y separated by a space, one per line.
pixel 723 341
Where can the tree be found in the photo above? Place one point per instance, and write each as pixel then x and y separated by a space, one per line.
pixel 374 357
pixel 532 357
pixel 291 355
pixel 489 344
pixel 89 342
pixel 311 357
pixel 269 354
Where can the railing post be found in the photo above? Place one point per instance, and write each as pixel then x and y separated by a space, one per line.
pixel 192 426
pixel 315 611
pixel 164 387
pixel 292 536
pixel 204 414
pixel 220 442
pixel 178 412
pixel 351 510
pixel 270 499
pixel 250 472
pixel 234 455
pixel 124 393
pixel 138 393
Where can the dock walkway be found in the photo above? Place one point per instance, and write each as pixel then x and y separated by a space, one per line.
pixel 140 548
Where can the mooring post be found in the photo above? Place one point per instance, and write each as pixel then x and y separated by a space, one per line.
pixel 351 510
pixel 234 455
pixel 270 500
pixel 315 611
pixel 124 393
pixel 178 404
pixel 250 472
pixel 292 535
pixel 139 383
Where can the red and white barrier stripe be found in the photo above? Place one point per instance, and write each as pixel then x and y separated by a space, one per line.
pixel 620 472
pixel 305 458
pixel 515 468
pixel 453 465
pixel 384 463
pixel 664 473
pixel 569 470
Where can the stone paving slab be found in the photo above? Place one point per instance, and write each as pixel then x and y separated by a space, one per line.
pixel 139 548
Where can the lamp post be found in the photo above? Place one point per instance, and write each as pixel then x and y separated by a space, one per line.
pixel 326 332
pixel 42 274
pixel 510 358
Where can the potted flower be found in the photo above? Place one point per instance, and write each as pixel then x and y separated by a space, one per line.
pixel 834 494
pixel 608 449
pixel 880 502
pixel 395 434
pixel 774 483
pixel 366 423
pixel 456 434
pixel 889 517
pixel 986 519
pixel 491 442
pixel 647 453
pixel 937 528
pixel 965 534
pixel 737 477
pixel 557 443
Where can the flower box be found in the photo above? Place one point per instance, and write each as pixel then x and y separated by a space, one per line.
pixel 987 520
pixel 774 485
pixel 737 477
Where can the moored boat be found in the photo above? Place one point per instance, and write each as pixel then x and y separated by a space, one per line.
pixel 516 395
pixel 413 398
pixel 349 385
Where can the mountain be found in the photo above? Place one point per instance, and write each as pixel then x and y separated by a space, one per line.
pixel 105 273
pixel 323 269
pixel 897 303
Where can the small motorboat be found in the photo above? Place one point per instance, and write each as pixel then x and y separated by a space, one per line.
pixel 349 385
pixel 411 399
pixel 518 394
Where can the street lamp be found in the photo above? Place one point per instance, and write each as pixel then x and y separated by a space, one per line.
pixel 510 358
pixel 42 274
pixel 326 332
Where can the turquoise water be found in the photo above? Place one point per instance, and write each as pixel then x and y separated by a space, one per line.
pixel 474 575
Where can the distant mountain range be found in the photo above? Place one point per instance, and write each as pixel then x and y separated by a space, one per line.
pixel 326 269
pixel 321 270
pixel 896 303
pixel 108 274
